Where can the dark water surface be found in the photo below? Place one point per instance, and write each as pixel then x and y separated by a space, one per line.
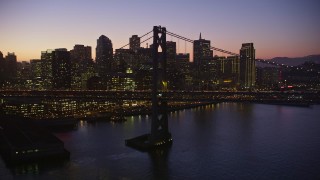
pixel 223 141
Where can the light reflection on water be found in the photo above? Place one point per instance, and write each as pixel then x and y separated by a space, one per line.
pixel 222 141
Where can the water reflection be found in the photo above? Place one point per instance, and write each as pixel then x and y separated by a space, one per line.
pixel 35 168
pixel 224 141
pixel 160 165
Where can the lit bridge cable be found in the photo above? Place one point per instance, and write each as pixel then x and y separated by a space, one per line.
pixel 192 41
pixel 140 37
pixel 272 63
pixel 235 54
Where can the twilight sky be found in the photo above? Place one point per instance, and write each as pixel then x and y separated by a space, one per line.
pixel 276 27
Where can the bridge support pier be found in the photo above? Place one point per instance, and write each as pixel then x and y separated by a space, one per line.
pixel 159 135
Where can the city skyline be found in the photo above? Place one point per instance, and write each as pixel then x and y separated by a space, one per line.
pixel 275 27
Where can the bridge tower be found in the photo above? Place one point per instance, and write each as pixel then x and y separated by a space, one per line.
pixel 159 135
pixel 159 124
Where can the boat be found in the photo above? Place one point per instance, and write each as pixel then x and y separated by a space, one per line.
pixel 117 118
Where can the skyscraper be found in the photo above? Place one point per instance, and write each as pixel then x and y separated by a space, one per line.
pixel 247 66
pixel 11 65
pixel 46 68
pixel 174 71
pixel 104 56
pixel 202 59
pixel 171 54
pixel 123 58
pixel 201 51
pixel 134 42
pixel 61 69
pixel 36 73
pixel 81 68
pixel 80 52
pixel 2 68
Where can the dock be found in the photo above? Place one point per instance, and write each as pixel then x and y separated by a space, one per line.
pixel 143 144
pixel 22 141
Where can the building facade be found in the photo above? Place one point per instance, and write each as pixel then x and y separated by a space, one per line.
pixel 46 68
pixel 247 66
pixel 134 43
pixel 81 66
pixel 61 69
pixel 202 59
pixel 11 65
pixel 104 56
pixel 201 51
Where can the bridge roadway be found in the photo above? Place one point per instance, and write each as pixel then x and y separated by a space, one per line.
pixel 102 95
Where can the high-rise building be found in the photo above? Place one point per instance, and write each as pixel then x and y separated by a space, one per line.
pixel 174 75
pixel 202 59
pixel 80 59
pixel 2 68
pixel 36 74
pixel 104 56
pixel 36 68
pixel 123 58
pixel 267 78
pixel 80 52
pixel 46 68
pixel 1 56
pixel 227 70
pixel 201 51
pixel 87 71
pixel 61 69
pixel 123 81
pixel 134 43
pixel 11 65
pixel 183 60
pixel 247 66
pixel 142 56
pixel 23 70
pixel 171 55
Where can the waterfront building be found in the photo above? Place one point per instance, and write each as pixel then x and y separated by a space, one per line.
pixel 227 70
pixel 247 66
pixel 267 78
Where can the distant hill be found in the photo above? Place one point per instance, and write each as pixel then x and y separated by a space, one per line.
pixel 296 61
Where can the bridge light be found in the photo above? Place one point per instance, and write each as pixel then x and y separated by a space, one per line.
pixel 165 85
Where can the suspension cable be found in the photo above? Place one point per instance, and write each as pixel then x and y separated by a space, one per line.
pixel 146 40
pixel 212 48
pixel 140 37
pixel 192 41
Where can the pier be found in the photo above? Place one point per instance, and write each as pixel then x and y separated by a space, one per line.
pixel 22 141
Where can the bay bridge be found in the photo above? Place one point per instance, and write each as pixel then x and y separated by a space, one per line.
pixel 160 94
